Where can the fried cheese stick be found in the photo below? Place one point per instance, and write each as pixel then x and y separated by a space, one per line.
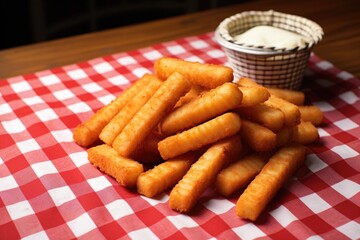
pixel 145 120
pixel 293 96
pixel 194 138
pixel 124 170
pixel 202 174
pixel 290 110
pixel 305 133
pixel 86 133
pixel 270 179
pixel 257 137
pixel 211 104
pixel 239 173
pixel 164 175
pixel 202 74
pixel 117 124
pixel 311 113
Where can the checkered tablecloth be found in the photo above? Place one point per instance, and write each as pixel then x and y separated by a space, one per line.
pixel 49 190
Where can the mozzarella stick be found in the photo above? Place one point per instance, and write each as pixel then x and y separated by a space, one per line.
pixel 194 138
pixel 244 81
pixel 271 178
pixel 87 133
pixel 202 174
pixel 205 75
pixel 305 133
pixel 211 104
pixel 239 174
pixel 265 115
pixel 290 110
pixel 164 175
pixel 257 137
pixel 253 95
pixel 293 96
pixel 124 170
pixel 193 93
pixel 145 120
pixel 117 124
pixel 311 113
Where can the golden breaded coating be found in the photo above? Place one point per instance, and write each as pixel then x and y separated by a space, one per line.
pixel 265 115
pixel 194 138
pixel 164 175
pixel 202 74
pixel 117 124
pixel 290 110
pixel 149 116
pixel 211 104
pixel 240 173
pixel 257 137
pixel 271 178
pixel 202 174
pixel 253 95
pixel 311 113
pixel 87 133
pixel 293 96
pixel 124 170
pixel 305 133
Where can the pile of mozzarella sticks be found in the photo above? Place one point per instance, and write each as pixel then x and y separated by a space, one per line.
pixel 189 126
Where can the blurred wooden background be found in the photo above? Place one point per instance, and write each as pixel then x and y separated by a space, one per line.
pixel 29 21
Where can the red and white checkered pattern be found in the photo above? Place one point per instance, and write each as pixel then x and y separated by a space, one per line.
pixel 49 190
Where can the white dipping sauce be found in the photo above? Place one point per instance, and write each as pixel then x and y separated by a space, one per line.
pixel 271 37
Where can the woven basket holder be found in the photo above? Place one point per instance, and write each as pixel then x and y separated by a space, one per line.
pixel 280 68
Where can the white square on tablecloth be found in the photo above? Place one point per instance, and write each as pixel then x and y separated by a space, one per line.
pixel 345 75
pixel 28 145
pixel 19 210
pixel 63 94
pixel 315 237
pixel 219 206
pixel 314 163
pixel 92 87
pixel 139 72
pixel 79 107
pixel 106 99
pixel 103 67
pixel 315 203
pixel 33 100
pixel 141 234
pixel 13 126
pixel 154 201
pixel 322 132
pixel 43 168
pixel 126 60
pixel 350 229
pixel 216 53
pixel 39 235
pixel 283 216
pixel 152 55
pixel 81 225
pixel 324 106
pixel 7 183
pixel 5 108
pixel 349 97
pixel 118 209
pixel 99 183
pixel 347 188
pixel 20 86
pixel 194 59
pixel 79 158
pixel 50 79
pixel 46 115
pixel 177 49
pixel 61 195
pixel 63 135
pixel 324 65
pixel 249 231
pixel 346 124
pixel 182 221
pixel 119 80
pixel 345 151
pixel 77 74
pixel 198 44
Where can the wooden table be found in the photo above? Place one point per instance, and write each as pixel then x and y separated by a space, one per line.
pixel 339 19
